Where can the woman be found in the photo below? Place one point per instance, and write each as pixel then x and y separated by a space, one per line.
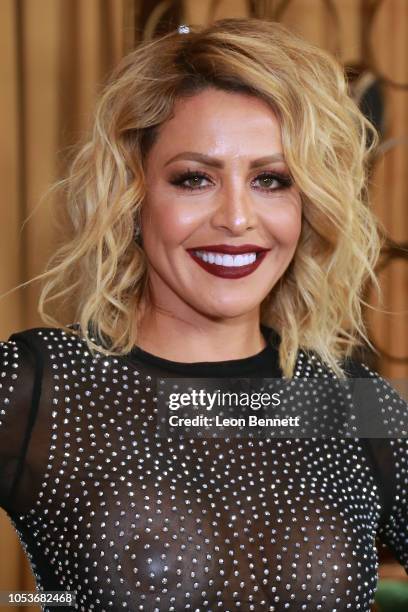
pixel 217 228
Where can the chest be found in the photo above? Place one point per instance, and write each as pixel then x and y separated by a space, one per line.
pixel 261 522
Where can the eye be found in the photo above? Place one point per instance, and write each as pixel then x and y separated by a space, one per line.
pixel 266 181
pixel 272 181
pixel 191 180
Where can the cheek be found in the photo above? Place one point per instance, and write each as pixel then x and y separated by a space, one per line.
pixel 285 225
pixel 168 220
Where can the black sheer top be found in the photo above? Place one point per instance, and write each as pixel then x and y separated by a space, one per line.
pixel 128 520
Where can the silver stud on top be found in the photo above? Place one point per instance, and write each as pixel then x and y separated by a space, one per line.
pixel 183 29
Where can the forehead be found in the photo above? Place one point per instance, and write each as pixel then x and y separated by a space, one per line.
pixel 221 123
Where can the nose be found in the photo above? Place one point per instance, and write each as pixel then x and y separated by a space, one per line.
pixel 235 212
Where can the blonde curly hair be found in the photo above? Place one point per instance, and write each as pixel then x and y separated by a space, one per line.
pixel 100 269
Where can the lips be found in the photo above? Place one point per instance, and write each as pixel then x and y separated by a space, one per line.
pixel 230 249
pixel 228 261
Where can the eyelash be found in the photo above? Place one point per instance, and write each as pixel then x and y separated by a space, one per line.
pixel 284 180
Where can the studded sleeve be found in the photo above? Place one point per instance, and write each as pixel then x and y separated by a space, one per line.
pixel 394 531
pixel 18 385
pixel 390 459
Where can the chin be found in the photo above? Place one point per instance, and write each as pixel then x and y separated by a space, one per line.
pixel 231 310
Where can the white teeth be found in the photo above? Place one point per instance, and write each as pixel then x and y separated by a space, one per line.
pixel 218 259
pixel 229 261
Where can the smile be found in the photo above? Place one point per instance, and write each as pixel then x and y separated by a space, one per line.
pixel 229 262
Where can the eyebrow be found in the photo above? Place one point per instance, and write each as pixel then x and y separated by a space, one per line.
pixel 218 163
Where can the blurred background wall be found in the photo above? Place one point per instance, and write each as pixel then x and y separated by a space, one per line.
pixel 55 55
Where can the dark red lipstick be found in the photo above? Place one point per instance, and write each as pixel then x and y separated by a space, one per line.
pixel 227 249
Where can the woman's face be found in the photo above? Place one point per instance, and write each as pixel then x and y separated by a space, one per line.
pixel 221 219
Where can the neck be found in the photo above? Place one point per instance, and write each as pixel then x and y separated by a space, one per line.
pixel 166 335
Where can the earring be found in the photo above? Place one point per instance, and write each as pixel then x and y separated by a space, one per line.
pixel 137 234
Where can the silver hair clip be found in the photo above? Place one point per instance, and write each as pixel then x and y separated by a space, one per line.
pixel 183 29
